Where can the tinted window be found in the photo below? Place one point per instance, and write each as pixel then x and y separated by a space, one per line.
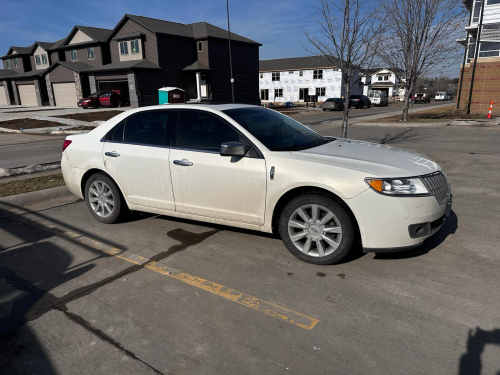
pixel 276 131
pixel 355 97
pixel 148 128
pixel 117 133
pixel 203 131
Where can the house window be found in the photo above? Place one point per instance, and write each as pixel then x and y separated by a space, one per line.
pixel 261 75
pixel 90 53
pixel 379 78
pixel 278 93
pixel 44 59
pixel 386 78
pixel 7 64
pixel 134 46
pixel 123 48
pixel 264 94
pixel 492 2
pixel 276 76
pixel 318 74
pixel 200 46
pixel 74 55
pixel 489 49
pixel 16 63
pixel 320 91
pixel 290 72
pixel 37 60
pixel 301 73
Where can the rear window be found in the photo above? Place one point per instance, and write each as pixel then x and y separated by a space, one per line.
pixel 355 97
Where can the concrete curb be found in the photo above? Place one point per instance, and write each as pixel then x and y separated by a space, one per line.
pixel 53 196
pixel 7 172
pixel 404 124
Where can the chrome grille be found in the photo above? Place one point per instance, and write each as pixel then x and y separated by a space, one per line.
pixel 437 185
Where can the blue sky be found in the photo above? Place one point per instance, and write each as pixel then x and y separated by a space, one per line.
pixel 278 25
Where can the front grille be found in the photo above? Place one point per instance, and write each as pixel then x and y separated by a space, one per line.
pixel 438 186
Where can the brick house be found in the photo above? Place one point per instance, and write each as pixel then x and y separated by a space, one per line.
pixel 484 23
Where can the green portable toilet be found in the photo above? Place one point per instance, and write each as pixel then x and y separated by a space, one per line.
pixel 167 95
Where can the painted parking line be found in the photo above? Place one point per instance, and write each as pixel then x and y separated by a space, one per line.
pixel 269 308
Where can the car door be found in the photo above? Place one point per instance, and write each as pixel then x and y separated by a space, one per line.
pixel 136 155
pixel 105 99
pixel 208 184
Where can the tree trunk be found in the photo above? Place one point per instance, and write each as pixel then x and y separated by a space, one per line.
pixel 345 119
pixel 406 106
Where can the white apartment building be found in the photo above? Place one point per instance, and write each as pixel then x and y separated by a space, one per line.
pixel 384 80
pixel 301 79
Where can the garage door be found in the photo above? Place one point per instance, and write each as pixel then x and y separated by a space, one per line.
pixel 3 99
pixel 27 94
pixel 65 94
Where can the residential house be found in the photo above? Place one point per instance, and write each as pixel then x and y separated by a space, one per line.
pixel 383 79
pixel 301 79
pixel 483 34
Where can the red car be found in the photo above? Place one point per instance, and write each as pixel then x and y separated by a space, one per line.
pixel 110 99
pixel 91 101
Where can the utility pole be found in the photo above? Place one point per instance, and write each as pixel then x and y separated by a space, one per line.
pixel 230 57
pixel 440 77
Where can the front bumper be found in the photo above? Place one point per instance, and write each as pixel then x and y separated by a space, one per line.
pixel 385 221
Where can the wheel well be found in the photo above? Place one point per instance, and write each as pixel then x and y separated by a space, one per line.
pixel 88 174
pixel 289 195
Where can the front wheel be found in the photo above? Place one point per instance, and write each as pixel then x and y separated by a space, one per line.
pixel 104 199
pixel 316 229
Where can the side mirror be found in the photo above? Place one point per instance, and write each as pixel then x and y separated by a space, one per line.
pixel 233 149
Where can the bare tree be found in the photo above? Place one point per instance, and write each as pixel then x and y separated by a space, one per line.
pixel 349 40
pixel 419 38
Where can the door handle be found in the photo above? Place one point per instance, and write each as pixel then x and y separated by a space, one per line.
pixel 113 154
pixel 183 162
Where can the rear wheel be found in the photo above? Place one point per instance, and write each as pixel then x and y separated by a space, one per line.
pixel 316 229
pixel 104 199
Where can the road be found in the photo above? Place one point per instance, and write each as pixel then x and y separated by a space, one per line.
pixel 210 299
pixel 19 150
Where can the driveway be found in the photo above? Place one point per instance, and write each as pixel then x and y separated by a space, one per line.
pixel 169 296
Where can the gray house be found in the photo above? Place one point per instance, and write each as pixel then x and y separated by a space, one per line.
pixel 136 58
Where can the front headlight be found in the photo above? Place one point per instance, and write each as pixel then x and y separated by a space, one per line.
pixel 399 186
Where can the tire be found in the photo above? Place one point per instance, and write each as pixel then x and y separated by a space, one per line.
pixel 369 105
pixel 324 109
pixel 338 245
pixel 99 204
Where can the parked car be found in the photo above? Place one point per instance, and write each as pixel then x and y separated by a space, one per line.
pixel 440 96
pixel 333 104
pixel 255 168
pixel 379 98
pixel 110 99
pixel 91 101
pixel 359 101
pixel 421 98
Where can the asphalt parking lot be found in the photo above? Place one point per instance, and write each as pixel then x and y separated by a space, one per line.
pixel 170 296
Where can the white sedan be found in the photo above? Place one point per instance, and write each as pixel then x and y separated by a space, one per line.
pixel 252 167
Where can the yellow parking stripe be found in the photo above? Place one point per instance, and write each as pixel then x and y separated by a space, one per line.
pixel 269 308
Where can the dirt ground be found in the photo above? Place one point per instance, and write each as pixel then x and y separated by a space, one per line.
pixel 32 184
pixel 92 116
pixel 82 127
pixel 27 123
pixel 442 113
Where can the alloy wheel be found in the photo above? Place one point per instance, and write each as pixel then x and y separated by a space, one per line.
pixel 314 230
pixel 101 199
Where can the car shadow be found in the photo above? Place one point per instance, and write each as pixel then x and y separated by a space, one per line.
pixel 470 362
pixel 31 268
pixel 450 226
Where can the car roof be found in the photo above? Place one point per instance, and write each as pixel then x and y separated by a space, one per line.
pixel 217 107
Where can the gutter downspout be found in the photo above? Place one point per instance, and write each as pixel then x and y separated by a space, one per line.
pixel 476 54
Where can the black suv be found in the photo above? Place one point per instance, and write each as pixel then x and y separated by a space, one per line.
pixel 359 101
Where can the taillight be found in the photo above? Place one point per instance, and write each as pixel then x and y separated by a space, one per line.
pixel 66 143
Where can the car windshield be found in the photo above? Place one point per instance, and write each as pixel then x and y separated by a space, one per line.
pixel 95 95
pixel 276 131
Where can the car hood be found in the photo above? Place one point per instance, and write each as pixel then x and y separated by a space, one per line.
pixel 375 159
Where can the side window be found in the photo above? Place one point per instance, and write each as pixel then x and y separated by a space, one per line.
pixel 117 133
pixel 147 128
pixel 202 130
